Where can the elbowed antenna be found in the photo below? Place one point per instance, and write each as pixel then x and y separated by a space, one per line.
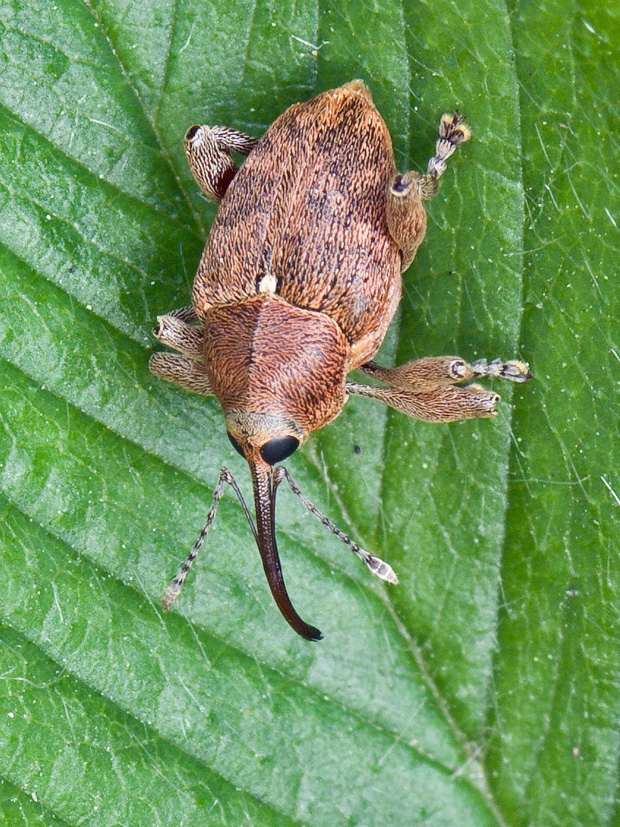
pixel 264 499
pixel 174 589
pixel 376 565
pixel 264 502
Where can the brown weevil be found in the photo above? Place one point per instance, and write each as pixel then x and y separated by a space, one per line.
pixel 298 282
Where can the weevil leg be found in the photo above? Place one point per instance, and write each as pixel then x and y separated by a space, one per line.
pixel 426 388
pixel 405 212
pixel 232 140
pixel 444 403
pixel 177 334
pixel 452 132
pixel 185 314
pixel 430 371
pixel 377 566
pixel 406 216
pixel 181 370
pixel 208 154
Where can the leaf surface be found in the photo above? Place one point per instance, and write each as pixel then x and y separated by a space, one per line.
pixel 483 689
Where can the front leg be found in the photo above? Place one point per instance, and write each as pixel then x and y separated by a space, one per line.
pixel 208 154
pixel 426 388
pixel 185 368
pixel 181 370
pixel 431 371
pixel 176 333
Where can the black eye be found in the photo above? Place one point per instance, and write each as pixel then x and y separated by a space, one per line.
pixel 278 449
pixel 235 444
pixel 191 132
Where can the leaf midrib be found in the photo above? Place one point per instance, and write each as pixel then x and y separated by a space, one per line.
pixel 512 445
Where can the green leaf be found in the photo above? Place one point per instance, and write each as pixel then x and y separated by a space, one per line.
pixel 484 689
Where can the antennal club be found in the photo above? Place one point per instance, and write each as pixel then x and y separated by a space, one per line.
pixel 377 566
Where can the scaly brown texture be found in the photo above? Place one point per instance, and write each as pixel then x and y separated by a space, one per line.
pixel 265 356
pixel 307 208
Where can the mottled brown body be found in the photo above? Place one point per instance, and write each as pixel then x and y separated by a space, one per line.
pixel 307 210
pixel 297 285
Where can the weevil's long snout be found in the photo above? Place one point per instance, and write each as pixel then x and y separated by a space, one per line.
pixel 264 500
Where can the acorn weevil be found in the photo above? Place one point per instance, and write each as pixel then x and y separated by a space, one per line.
pixel 298 282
